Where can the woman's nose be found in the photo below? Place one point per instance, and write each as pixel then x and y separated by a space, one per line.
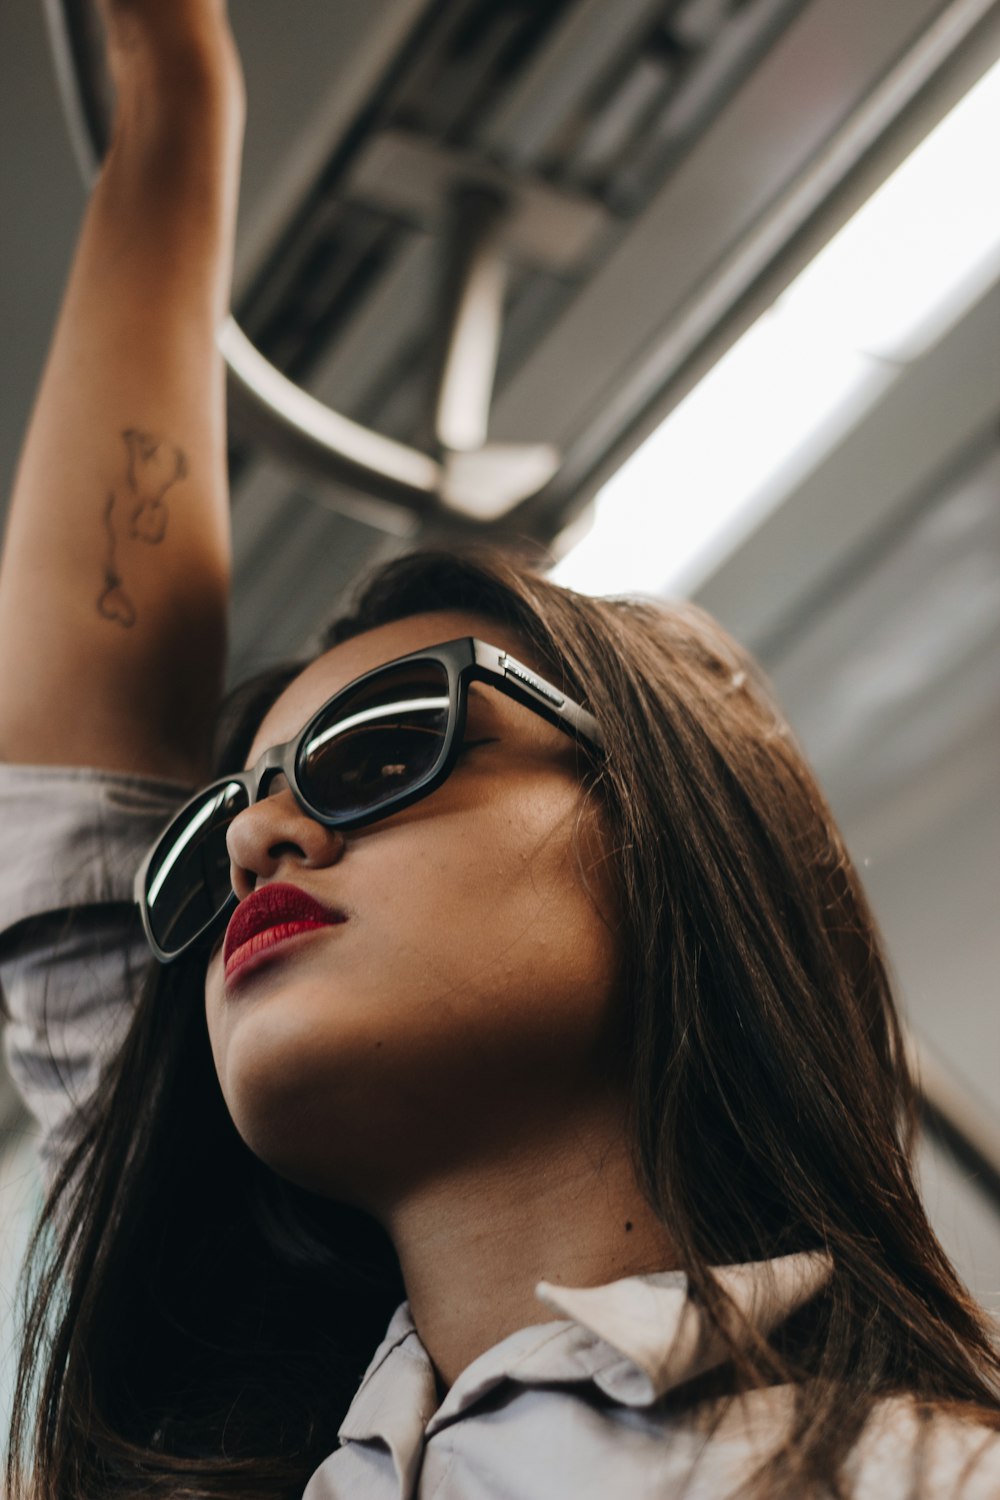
pixel 275 832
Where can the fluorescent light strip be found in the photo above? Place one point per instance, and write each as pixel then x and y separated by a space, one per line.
pixel 922 250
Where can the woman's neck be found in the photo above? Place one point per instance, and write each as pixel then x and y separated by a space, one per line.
pixel 472 1246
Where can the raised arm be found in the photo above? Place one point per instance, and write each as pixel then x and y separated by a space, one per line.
pixel 115 571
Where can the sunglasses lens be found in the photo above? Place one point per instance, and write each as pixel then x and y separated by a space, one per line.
pixel 385 737
pixel 187 882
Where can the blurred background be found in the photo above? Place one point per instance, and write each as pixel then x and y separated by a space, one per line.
pixel 692 297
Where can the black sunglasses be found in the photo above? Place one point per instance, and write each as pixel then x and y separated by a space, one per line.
pixel 387 739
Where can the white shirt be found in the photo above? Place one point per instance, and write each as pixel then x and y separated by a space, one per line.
pixel 575 1409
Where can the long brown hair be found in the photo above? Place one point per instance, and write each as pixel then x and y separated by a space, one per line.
pixel 199 1323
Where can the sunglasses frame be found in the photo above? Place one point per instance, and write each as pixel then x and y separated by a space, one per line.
pixel 465 660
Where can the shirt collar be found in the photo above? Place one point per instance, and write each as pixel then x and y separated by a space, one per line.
pixel 662 1336
pixel 634 1339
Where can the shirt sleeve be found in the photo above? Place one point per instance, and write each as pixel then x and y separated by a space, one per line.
pixel 72 950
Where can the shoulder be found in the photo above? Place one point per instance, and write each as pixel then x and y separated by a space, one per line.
pixel 907 1449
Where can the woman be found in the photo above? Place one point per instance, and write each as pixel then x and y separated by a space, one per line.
pixel 513 987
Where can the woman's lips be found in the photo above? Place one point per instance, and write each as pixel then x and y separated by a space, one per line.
pixel 265 941
pixel 269 917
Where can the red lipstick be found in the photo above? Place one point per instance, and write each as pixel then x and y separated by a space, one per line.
pixel 270 916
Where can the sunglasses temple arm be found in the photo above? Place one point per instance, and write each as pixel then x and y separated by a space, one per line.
pixel 550 705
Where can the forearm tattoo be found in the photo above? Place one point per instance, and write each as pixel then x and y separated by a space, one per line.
pixel 138 513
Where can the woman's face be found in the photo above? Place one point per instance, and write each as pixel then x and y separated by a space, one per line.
pixel 467 1002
